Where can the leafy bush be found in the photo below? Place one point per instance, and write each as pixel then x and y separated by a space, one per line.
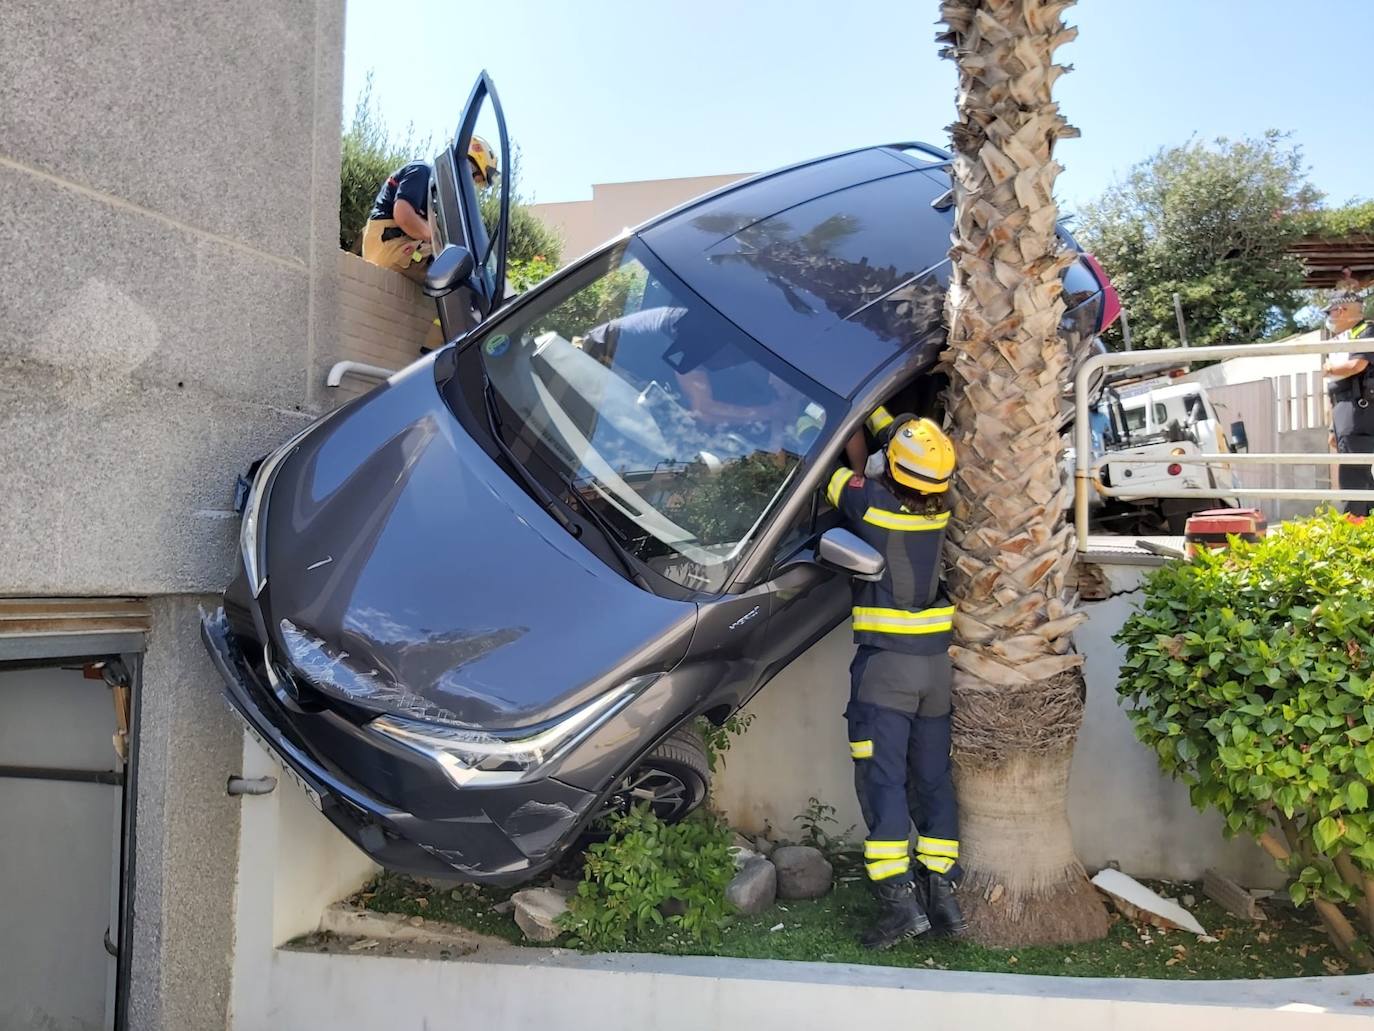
pixel 717 738
pixel 1248 671
pixel 816 830
pixel 524 273
pixel 1212 222
pixel 369 155
pixel 645 863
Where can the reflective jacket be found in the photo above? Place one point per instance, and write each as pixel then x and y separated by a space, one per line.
pixel 906 610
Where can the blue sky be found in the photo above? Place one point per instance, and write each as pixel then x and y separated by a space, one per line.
pixel 607 91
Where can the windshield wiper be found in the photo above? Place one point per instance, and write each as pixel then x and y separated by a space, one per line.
pixel 614 537
pixel 545 496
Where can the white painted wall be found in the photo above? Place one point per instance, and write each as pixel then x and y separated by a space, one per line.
pixel 1120 806
pixel 292 864
pixel 519 990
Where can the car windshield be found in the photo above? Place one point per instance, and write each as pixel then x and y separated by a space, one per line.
pixel 677 427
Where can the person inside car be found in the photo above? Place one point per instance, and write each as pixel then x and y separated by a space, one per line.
pixel 899 704
pixel 397 234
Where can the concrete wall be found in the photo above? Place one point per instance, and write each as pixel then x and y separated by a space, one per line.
pixel 168 229
pixel 583 224
pixel 168 223
pixel 1120 806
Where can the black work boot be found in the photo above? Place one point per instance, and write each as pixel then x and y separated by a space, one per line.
pixel 938 896
pixel 899 916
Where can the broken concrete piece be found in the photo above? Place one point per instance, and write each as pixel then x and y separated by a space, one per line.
pixel 537 911
pixel 1137 902
pixel 803 872
pixel 754 888
pixel 1230 896
pixel 743 856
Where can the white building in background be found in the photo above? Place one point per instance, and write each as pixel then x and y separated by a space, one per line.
pixel 613 207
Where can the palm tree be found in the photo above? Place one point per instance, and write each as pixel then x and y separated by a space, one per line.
pixel 1018 683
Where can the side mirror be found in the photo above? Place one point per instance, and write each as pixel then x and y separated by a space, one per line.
pixel 1239 441
pixel 850 553
pixel 450 268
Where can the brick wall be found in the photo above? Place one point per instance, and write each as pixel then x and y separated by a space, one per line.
pixel 383 319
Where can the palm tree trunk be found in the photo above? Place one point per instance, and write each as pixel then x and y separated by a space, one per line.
pixel 1018 683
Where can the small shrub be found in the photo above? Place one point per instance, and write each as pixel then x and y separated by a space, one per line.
pixel 644 863
pixel 1248 671
pixel 717 738
pixel 369 154
pixel 815 824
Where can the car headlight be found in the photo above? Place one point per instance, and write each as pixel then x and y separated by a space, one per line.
pixel 469 756
pixel 250 546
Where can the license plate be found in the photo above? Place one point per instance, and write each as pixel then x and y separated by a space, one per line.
pixel 280 760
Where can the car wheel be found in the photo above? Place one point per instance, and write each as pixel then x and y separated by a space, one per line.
pixel 672 780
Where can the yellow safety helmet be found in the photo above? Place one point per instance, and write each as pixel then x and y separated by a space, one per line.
pixel 484 163
pixel 919 455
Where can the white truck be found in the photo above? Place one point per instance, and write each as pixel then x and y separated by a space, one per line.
pixel 1158 417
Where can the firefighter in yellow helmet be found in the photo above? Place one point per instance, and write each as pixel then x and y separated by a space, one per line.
pixel 397 234
pixel 899 702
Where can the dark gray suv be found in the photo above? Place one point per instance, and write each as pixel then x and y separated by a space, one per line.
pixel 485 602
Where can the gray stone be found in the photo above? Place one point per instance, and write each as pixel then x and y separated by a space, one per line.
pixel 803 872
pixel 763 846
pixel 754 888
pixel 537 911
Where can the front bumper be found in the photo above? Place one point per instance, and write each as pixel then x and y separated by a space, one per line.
pixel 393 804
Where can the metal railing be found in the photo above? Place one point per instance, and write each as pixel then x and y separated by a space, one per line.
pixel 1085 473
pixel 350 368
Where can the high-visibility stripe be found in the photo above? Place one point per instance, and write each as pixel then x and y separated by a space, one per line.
pixel 937 847
pixel 886 849
pixel 900 621
pixel 938 864
pixel 905 520
pixel 880 420
pixel 885 868
pixel 836 484
pixel 861 749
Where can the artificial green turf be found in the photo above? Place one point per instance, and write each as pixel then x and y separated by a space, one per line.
pixel 1289 944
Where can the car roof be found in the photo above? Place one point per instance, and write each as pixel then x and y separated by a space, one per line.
pixel 835 265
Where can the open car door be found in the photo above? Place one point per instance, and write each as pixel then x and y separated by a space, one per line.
pixel 467 278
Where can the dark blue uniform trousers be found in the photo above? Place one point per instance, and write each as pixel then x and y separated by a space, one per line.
pixel 899 739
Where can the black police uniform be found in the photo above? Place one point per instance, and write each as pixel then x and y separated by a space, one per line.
pixel 1352 417
pixel 899 706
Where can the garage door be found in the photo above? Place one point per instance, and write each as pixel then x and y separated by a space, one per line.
pixel 62 800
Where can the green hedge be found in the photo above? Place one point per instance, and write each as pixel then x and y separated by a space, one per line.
pixel 1248 672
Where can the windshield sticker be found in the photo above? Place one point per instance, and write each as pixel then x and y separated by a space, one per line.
pixel 497 345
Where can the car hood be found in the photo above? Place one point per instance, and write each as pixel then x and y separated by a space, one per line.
pixel 407 573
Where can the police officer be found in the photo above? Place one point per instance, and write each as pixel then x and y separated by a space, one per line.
pixel 1350 382
pixel 899 705
pixel 397 234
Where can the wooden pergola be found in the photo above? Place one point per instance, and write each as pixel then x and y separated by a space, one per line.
pixel 1345 263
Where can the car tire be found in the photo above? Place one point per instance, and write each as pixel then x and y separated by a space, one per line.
pixel 673 780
